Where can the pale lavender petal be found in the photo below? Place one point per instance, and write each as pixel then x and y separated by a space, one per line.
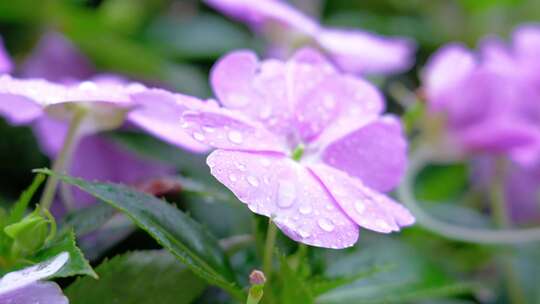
pixel 375 153
pixel 18 110
pixel 160 112
pixel 338 105
pixel 224 129
pixel 50 134
pixel 5 61
pixel 36 293
pixel 261 14
pixel 56 59
pixel 523 194
pixel 367 207
pixel 362 52
pixel 445 71
pixel 281 188
pixel 527 42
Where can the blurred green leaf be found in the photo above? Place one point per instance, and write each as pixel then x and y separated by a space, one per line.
pixel 90 218
pixel 294 290
pixel 174 230
pixel 198 37
pixel 413 278
pixel 19 208
pixel 77 263
pixel 438 183
pixel 138 277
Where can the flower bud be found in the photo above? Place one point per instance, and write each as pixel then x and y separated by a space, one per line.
pixel 29 234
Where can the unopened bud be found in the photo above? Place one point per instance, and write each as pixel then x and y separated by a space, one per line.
pixel 257 277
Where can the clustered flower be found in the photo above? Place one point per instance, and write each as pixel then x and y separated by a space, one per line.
pixel 304 144
pixel 287 29
pixel 489 101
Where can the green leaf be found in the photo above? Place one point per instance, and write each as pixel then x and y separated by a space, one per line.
pixel 174 230
pixel 199 37
pixel 294 290
pixel 413 277
pixel 89 219
pixel 19 208
pixel 138 277
pixel 77 263
pixel 442 182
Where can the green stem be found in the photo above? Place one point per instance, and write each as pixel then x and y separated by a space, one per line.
pixel 502 220
pixel 464 234
pixel 271 235
pixel 63 159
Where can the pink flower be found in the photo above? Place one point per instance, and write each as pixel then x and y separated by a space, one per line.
pixel 5 62
pixel 301 143
pixel 287 28
pixel 107 104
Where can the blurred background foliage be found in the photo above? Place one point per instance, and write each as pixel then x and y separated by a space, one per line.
pixel 174 44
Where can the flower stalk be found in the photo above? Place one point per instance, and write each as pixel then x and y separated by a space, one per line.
pixel 61 163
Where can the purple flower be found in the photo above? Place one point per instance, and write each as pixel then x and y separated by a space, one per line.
pixel 5 62
pixel 487 108
pixel 286 28
pixel 24 286
pixel 301 143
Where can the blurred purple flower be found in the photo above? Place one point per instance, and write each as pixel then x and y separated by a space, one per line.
pixel 287 28
pixel 301 143
pixel 488 109
pixel 5 62
pixel 24 286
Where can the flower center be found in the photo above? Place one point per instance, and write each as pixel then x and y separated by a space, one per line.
pixel 298 152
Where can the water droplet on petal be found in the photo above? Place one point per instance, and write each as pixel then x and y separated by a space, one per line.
pixel 208 129
pixel 382 224
pixel 305 209
pixel 240 166
pixel 233 177
pixel 87 85
pixel 286 194
pixel 360 207
pixel 199 136
pixel 304 233
pixel 235 137
pixel 252 180
pixel 326 225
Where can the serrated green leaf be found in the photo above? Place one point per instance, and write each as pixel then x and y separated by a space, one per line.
pixel 77 263
pixel 174 230
pixel 88 219
pixel 153 276
pixel 294 290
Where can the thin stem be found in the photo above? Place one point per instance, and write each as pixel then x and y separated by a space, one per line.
pixel 502 220
pixel 63 159
pixel 472 235
pixel 271 235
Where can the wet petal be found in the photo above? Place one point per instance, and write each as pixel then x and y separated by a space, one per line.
pixel 343 101
pixel 367 207
pixel 362 52
pixel 160 113
pixel 280 188
pixel 376 153
pixel 224 129
pixel 445 70
pixel 36 293
pixel 19 110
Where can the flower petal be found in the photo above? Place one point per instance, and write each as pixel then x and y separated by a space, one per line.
pixel 368 208
pixel 40 292
pixel 338 105
pixel 280 188
pixel 5 62
pixel 444 71
pixel 18 110
pixel 160 113
pixel 362 52
pixel 224 129
pixel 376 153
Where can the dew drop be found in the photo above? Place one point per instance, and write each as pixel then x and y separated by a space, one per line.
pixel 208 129
pixel 233 177
pixel 240 166
pixel 305 209
pixel 286 194
pixel 87 85
pixel 304 233
pixel 360 207
pixel 199 136
pixel 252 180
pixel 382 224
pixel 235 137
pixel 326 225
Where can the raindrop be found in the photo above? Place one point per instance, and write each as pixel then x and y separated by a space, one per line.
pixel 286 194
pixel 199 136
pixel 360 207
pixel 208 129
pixel 240 166
pixel 305 209
pixel 235 137
pixel 303 233
pixel 382 224
pixel 252 180
pixel 233 177
pixel 326 225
